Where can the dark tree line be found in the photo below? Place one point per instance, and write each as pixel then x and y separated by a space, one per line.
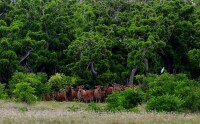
pixel 99 41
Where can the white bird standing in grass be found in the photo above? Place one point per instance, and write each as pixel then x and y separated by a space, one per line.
pixel 162 70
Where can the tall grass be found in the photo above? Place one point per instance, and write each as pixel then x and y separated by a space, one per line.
pixel 58 113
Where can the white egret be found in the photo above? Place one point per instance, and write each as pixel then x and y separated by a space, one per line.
pixel 162 70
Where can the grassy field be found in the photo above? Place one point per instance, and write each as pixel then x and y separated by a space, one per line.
pixel 76 112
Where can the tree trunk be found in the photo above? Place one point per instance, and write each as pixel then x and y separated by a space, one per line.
pixel 92 68
pixel 47 45
pixel 127 81
pixel 131 81
pixel 146 62
pixel 174 71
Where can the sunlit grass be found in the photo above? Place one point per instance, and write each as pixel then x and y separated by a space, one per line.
pixel 76 112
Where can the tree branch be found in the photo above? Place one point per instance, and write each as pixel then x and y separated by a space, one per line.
pixel 25 56
pixel 1 13
pixel 146 49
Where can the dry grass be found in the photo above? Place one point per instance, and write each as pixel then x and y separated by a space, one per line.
pixel 75 112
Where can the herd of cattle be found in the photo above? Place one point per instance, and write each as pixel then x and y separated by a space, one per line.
pixel 85 94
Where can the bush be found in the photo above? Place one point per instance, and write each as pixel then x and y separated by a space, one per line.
pixel 124 100
pixel 165 80
pixel 24 93
pixel 3 95
pixel 175 85
pixel 166 103
pixel 57 82
pixel 192 101
pixel 114 101
pixel 132 98
pixel 36 81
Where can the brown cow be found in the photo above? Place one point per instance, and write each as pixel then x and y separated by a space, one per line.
pixel 60 96
pixel 47 97
pixel 79 94
pixel 90 94
pixel 68 91
pixel 85 95
pixel 130 86
pixel 108 90
pixel 117 87
pixel 98 93
pixel 103 95
pixel 123 87
pixel 74 94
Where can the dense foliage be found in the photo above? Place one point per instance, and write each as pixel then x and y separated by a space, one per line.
pixel 47 44
pixel 99 41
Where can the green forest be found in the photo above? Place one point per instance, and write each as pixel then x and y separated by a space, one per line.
pixel 97 42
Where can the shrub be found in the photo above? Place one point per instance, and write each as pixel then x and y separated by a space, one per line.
pixel 46 88
pixel 165 80
pixel 125 99
pixel 3 95
pixel 36 81
pixel 114 101
pixel 24 93
pixel 57 82
pixel 154 92
pixel 175 85
pixel 166 103
pixel 192 100
pixel 132 98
